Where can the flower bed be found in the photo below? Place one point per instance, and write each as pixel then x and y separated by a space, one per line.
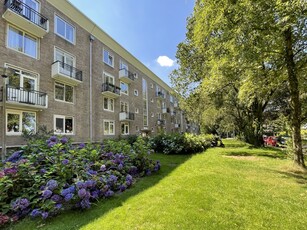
pixel 48 176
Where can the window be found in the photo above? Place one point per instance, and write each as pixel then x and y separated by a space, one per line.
pixel 124 88
pixel 158 104
pixel 136 110
pixel 63 92
pixel 171 99
pixel 64 29
pixel 163 105
pixel 151 85
pixel 19 121
pixel 109 127
pixel 124 128
pixel 136 92
pixel 108 78
pixel 136 76
pixel 108 58
pixel 123 65
pixel 22 79
pixel 65 58
pixel 108 104
pixel 22 42
pixel 63 124
pixel 124 106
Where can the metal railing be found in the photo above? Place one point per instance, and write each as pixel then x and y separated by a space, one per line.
pixel 128 74
pixel 111 88
pixel 127 115
pixel 69 70
pixel 27 12
pixel 160 122
pixel 21 95
pixel 160 94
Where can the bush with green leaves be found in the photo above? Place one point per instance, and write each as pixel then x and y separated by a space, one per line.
pixel 180 143
pixel 48 176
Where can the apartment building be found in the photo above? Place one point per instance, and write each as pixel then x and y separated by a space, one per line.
pixel 66 73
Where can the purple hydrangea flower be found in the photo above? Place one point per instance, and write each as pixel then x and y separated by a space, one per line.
pixel 42 171
pixel 92 172
pixel 47 194
pixel 81 145
pixel 51 144
pixel 120 167
pixel 103 168
pixel 56 198
pixel 64 140
pixel 95 194
pixel 122 188
pixel 80 185
pixel 16 156
pixel 148 172
pixel 11 171
pixel 45 215
pixel 109 193
pixel 52 184
pixel 53 139
pixel 82 193
pixel 35 213
pixel 65 161
pixel 90 183
pixel 58 206
pixel 112 179
pixel 20 204
pixel 85 203
pixel 68 197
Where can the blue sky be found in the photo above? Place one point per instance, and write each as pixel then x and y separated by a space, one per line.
pixel 148 29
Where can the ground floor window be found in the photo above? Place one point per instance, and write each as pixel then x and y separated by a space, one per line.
pixel 109 127
pixel 20 121
pixel 124 128
pixel 63 124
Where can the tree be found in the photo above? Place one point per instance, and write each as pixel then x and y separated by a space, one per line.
pixel 253 49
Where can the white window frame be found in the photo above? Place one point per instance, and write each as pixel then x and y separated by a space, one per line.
pixel 65 55
pixel 126 127
pixel 64 85
pixel 109 55
pixel 109 123
pixel 123 65
pixel 126 105
pixel 24 33
pixel 123 92
pixel 64 128
pixel 20 126
pixel 136 110
pixel 110 109
pixel 66 23
pixel 108 76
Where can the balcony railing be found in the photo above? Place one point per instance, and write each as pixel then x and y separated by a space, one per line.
pixel 27 12
pixel 177 125
pixel 126 116
pixel 66 70
pixel 160 95
pixel 110 88
pixel 23 96
pixel 126 76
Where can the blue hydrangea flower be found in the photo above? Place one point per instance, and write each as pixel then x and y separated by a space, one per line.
pixel 20 204
pixel 92 172
pixel 51 144
pixel 52 184
pixel 16 156
pixel 68 197
pixel 35 213
pixel 81 146
pixel 85 203
pixel 122 188
pixel 42 171
pixel 109 193
pixel 58 206
pixel 45 215
pixel 47 194
pixel 95 194
pixel 82 193
pixel 56 198
pixel 65 161
pixel 64 140
pixel 120 167
pixel 53 138
pixel 90 183
pixel 80 185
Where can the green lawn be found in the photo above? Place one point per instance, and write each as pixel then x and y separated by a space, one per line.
pixel 237 187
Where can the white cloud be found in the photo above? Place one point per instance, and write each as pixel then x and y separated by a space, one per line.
pixel 165 61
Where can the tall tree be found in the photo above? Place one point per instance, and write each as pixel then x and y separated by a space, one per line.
pixel 256 47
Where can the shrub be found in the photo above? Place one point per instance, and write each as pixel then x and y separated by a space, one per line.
pixel 48 176
pixel 180 143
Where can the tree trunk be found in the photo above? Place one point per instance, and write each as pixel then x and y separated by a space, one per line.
pixel 294 100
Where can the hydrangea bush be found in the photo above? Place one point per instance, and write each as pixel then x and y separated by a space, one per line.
pixel 180 143
pixel 48 176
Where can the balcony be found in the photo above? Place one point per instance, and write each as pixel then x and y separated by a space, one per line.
pixel 66 73
pixel 22 98
pixel 165 110
pixel 160 122
pixel 126 76
pixel 110 90
pixel 160 95
pixel 25 17
pixel 177 126
pixel 126 116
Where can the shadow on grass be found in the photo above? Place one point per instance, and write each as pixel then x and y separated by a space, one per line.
pixel 75 219
pixel 298 175
pixel 261 152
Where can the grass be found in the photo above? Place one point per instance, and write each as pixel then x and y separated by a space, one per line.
pixel 237 187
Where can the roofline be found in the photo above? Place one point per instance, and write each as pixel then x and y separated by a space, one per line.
pixel 72 12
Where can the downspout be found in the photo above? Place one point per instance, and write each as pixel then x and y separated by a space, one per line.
pixel 92 38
